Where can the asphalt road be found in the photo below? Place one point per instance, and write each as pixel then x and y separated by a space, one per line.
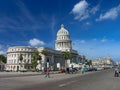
pixel 100 80
pixel 104 80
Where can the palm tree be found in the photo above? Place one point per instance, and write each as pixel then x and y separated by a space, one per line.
pixel 21 59
pixel 66 55
pixel 89 62
pixel 40 58
pixel 45 53
pixel 35 59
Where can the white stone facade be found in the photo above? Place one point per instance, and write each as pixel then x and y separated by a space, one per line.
pixel 13 53
pixel 103 62
pixel 63 43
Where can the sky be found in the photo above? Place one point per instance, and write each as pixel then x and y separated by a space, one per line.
pixel 94 25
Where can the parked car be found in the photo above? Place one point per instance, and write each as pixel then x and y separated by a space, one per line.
pixel 85 69
pixel 92 69
pixel 100 68
pixel 62 71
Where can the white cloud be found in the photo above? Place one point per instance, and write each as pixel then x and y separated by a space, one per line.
pixel 82 41
pixel 111 14
pixel 94 39
pixel 88 23
pixel 104 40
pixel 2 52
pixel 79 42
pixel 94 9
pixel 82 10
pixel 25 11
pixel 36 42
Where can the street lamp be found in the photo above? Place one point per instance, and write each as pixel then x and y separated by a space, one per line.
pixel 38 64
pixel 47 64
pixel 72 66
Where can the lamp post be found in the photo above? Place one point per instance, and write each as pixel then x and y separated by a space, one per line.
pixel 38 64
pixel 72 66
pixel 47 63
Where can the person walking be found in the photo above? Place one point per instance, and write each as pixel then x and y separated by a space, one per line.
pixel 116 73
pixel 47 73
pixel 83 69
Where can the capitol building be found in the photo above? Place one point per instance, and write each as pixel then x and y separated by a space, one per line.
pixel 54 57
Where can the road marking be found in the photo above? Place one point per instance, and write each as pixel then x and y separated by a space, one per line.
pixel 65 84
pixel 62 85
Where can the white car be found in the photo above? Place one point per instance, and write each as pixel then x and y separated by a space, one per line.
pixel 99 68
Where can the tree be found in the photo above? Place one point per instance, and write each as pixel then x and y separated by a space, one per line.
pixel 35 59
pixel 66 55
pixel 21 59
pixel 89 62
pixel 45 53
pixel 3 58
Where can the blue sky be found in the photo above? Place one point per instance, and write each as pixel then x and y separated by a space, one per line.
pixel 93 25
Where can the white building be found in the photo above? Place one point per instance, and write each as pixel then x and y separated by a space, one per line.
pixel 104 62
pixel 54 57
pixel 63 41
pixel 13 53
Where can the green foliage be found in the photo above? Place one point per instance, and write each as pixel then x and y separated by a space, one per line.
pixel 66 55
pixel 3 58
pixel 35 58
pixel 44 52
pixel 89 62
pixel 21 57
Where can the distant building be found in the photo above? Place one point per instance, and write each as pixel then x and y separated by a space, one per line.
pixel 54 57
pixel 118 64
pixel 103 62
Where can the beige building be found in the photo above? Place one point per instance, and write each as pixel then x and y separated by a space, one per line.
pixel 54 57
pixel 103 62
pixel 13 53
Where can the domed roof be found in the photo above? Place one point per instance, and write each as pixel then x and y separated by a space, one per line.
pixel 62 31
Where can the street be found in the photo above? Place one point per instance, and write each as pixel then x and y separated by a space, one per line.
pixel 100 80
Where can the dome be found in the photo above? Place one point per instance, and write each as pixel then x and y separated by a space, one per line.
pixel 63 41
pixel 62 31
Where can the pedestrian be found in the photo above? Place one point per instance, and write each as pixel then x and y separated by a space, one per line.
pixel 82 69
pixel 47 73
pixel 67 70
pixel 116 73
